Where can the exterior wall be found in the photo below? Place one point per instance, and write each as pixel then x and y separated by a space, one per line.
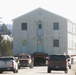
pixel 48 34
pixel 71 37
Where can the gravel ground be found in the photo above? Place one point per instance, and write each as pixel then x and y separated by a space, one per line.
pixel 74 67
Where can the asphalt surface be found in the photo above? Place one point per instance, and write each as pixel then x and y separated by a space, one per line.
pixel 38 71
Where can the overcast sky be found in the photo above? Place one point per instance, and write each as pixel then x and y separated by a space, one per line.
pixel 10 9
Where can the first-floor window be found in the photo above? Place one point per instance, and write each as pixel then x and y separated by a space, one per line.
pixel 56 43
pixel 24 43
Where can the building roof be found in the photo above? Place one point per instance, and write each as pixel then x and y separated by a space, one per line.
pixel 39 9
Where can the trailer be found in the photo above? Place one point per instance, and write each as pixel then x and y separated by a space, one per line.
pixel 40 59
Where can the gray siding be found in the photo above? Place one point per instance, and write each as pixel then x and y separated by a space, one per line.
pixel 48 34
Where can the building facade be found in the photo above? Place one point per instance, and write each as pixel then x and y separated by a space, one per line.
pixel 43 31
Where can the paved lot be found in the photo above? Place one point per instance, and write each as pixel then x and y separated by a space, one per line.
pixel 74 68
pixel 74 65
pixel 38 71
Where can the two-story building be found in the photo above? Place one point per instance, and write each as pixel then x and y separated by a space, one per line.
pixel 43 31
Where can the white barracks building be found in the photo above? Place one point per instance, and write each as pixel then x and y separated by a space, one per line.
pixel 43 31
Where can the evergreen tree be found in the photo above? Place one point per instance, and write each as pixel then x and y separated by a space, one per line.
pixel 1 42
pixel 5 30
pixel 5 46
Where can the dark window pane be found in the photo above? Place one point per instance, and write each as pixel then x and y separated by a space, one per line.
pixel 56 43
pixel 24 56
pixel 40 26
pixel 56 26
pixel 6 59
pixel 24 26
pixel 57 57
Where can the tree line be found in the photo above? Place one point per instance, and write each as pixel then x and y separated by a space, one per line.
pixel 4 29
pixel 5 45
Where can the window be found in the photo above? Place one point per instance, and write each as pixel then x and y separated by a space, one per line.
pixel 55 26
pixel 40 26
pixel 24 43
pixel 23 56
pixel 39 29
pixel 57 58
pixel 24 26
pixel 56 43
pixel 6 59
pixel 39 13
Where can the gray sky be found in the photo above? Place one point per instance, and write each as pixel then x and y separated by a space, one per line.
pixel 10 9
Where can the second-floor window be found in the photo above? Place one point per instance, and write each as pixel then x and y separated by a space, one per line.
pixel 24 26
pixel 40 26
pixel 40 29
pixel 56 26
